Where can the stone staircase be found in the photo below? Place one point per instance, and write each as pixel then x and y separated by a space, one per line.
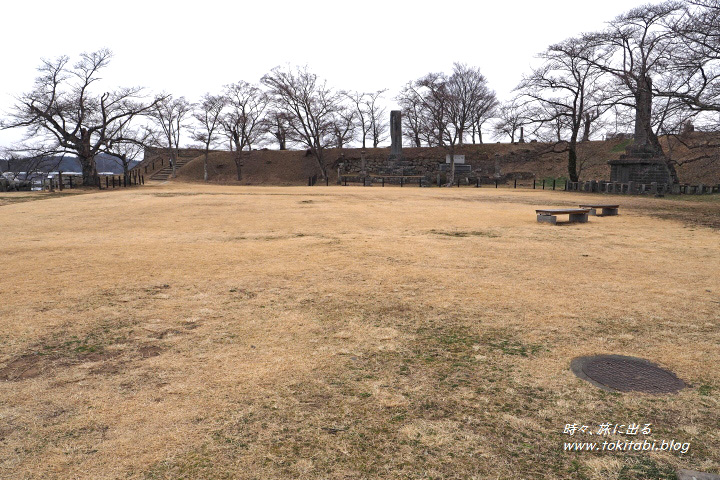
pixel 165 172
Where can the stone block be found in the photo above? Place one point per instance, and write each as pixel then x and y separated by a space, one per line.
pixel 578 218
pixel 547 219
pixel 606 212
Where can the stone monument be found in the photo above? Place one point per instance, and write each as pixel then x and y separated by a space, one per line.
pixel 395 135
pixel 644 161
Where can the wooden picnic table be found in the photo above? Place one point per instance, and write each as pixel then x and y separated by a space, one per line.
pixel 576 215
pixel 607 209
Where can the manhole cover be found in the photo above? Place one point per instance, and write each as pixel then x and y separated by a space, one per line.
pixel 693 475
pixel 617 373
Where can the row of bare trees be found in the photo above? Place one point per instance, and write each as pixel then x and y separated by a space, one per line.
pixel 651 71
pixel 290 106
pixel 65 113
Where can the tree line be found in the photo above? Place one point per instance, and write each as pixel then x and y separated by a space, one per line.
pixel 652 71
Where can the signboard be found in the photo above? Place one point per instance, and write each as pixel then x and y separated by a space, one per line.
pixel 458 158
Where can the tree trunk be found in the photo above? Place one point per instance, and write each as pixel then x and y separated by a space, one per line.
pixel 480 136
pixel 673 172
pixel 645 139
pixel 89 171
pixel 238 161
pixel 320 157
pixel 238 165
pixel 451 170
pixel 572 164
pixel 173 160
pixel 87 160
pixel 586 128
pixel 205 165
pixel 280 137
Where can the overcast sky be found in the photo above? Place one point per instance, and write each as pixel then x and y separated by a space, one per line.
pixel 188 49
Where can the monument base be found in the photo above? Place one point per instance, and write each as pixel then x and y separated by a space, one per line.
pixel 638 169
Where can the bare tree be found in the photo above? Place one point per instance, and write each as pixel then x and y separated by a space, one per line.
pixel 411 105
pixel 566 89
pixel 277 125
pixel 483 111
pixel 378 117
pixel 473 99
pixel 362 118
pixel 170 114
pixel 697 61
pixel 440 105
pixel 368 115
pixel 128 147
pixel 637 46
pixel 242 123
pixel 208 113
pixel 63 114
pixel 344 126
pixel 691 93
pixel 309 106
pixel 510 118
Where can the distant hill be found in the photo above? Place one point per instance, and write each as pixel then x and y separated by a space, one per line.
pixel 66 163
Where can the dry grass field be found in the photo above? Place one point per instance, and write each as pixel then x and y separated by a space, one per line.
pixel 185 331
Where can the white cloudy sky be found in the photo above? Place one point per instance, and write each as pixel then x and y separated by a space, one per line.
pixel 189 48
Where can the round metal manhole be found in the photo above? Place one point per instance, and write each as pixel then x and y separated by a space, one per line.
pixel 617 373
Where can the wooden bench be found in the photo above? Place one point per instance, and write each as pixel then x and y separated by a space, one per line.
pixel 607 210
pixel 577 215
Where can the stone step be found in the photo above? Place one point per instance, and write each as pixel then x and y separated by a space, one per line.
pixel 165 172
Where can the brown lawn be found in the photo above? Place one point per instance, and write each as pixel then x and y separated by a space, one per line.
pixel 203 332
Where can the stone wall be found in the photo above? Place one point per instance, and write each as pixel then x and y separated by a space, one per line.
pixel 427 162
